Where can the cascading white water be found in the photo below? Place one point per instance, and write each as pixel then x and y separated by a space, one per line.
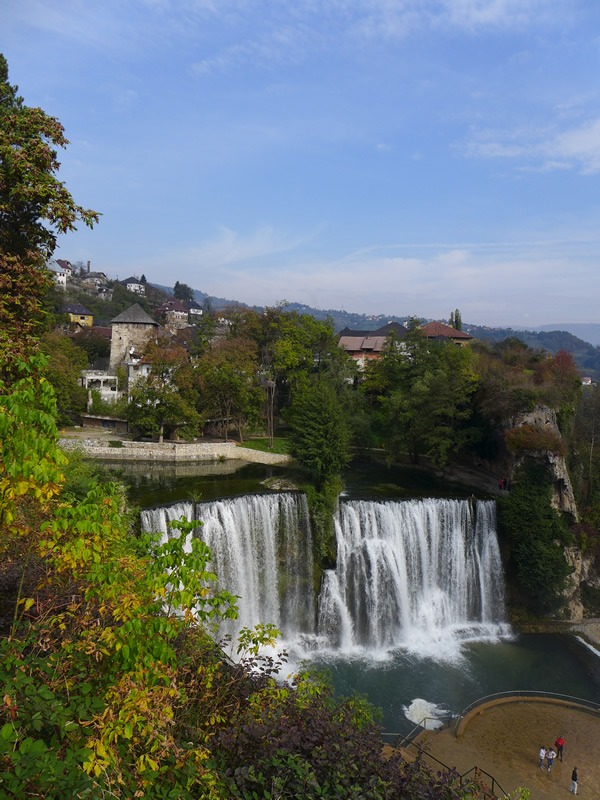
pixel 262 552
pixel 420 574
pixel 423 575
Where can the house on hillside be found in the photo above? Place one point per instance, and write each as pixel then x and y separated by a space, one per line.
pixel 174 312
pixel 195 311
pixel 134 285
pixel 66 266
pixel 92 280
pixel 78 314
pixel 59 275
pixel 439 331
pixel 104 293
pixel 364 346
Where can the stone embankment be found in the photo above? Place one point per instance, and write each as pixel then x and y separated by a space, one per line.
pixel 171 451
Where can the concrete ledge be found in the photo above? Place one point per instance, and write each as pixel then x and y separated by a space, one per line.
pixel 172 451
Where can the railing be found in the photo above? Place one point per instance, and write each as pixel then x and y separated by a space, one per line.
pixel 407 740
pixel 474 773
pixel 566 698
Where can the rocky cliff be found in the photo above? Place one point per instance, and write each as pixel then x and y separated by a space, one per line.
pixel 544 419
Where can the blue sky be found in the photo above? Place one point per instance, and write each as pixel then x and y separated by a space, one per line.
pixel 378 156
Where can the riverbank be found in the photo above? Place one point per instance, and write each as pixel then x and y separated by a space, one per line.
pixel 107 445
pixel 587 629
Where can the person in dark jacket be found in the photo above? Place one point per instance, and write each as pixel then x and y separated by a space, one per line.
pixel 574 780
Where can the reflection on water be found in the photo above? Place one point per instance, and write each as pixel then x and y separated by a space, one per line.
pixel 534 662
pixel 150 484
pixel 156 483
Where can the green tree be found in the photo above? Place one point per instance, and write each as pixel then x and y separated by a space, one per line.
pixel 65 362
pixel 319 437
pixel 182 291
pixel 537 536
pixel 229 387
pixel 455 320
pixel 35 207
pixel 291 346
pixel 94 344
pixel 423 392
pixel 164 400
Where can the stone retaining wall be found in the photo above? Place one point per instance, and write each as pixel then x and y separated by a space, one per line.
pixel 172 451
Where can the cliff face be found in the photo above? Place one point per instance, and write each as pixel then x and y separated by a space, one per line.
pixel 584 571
pixel 544 418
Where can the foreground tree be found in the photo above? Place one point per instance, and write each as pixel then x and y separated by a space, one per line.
pixel 35 207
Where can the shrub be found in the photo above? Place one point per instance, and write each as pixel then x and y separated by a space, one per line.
pixel 531 438
pixel 537 535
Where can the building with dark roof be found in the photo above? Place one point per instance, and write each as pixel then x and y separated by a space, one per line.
pixel 78 314
pixel 363 346
pixel 134 285
pixel 131 330
pixel 443 332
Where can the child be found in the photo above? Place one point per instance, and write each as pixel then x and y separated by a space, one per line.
pixel 550 756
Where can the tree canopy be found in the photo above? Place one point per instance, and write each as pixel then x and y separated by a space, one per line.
pixel 35 207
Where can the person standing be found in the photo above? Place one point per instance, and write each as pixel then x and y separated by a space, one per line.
pixel 559 744
pixel 574 780
pixel 542 756
pixel 550 756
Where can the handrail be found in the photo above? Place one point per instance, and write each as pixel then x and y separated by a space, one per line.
pixel 408 741
pixel 477 770
pixel 531 693
pixel 418 728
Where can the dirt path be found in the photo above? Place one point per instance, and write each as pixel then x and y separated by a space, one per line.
pixel 505 741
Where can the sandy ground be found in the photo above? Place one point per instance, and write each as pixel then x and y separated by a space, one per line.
pixel 505 741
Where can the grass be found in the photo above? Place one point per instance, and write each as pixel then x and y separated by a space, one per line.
pixel 280 445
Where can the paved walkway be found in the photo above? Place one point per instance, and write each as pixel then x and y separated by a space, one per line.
pixel 505 741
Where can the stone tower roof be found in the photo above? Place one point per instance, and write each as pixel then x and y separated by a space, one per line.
pixel 135 315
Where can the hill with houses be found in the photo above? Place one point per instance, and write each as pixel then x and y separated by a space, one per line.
pixel 107 297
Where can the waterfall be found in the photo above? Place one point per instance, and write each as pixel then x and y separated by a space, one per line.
pixel 422 575
pixel 418 574
pixel 262 553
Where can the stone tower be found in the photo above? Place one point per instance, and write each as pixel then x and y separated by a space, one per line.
pixel 130 332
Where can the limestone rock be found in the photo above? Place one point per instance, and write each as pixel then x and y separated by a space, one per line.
pixel 563 498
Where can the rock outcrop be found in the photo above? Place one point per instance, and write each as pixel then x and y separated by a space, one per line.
pixel 544 418
pixel 584 571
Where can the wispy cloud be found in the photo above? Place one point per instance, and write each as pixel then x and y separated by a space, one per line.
pixel 230 247
pixel 479 278
pixel 544 149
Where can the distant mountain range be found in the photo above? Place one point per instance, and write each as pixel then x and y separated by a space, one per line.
pixel 580 339
pixel 588 331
